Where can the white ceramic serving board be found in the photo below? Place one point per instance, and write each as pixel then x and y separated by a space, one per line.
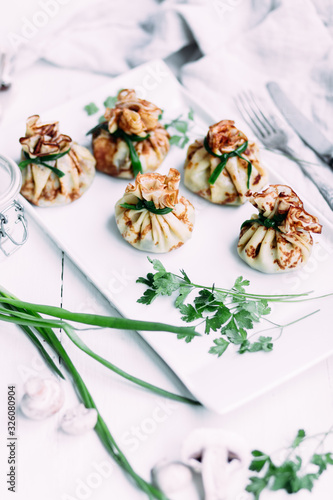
pixel 87 232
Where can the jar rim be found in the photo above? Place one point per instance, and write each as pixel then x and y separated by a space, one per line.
pixel 9 170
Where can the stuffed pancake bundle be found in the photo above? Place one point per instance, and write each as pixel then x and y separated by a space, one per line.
pixel 151 216
pixel 277 239
pixel 55 170
pixel 131 140
pixel 222 166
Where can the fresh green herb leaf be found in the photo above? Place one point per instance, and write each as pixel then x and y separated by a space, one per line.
pixel 149 281
pixel 110 101
pixel 256 486
pixel 290 475
pixel 220 347
pixel 299 438
pixel 260 459
pixel 180 125
pixel 186 278
pixel 184 291
pixel 215 322
pixel 148 297
pixel 183 336
pixel 229 312
pixel 322 461
pixel 189 313
pixel 91 108
pixel 175 139
pixel 240 283
pixel 184 142
pixel 263 344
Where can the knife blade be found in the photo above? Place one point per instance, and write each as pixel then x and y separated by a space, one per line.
pixel 309 132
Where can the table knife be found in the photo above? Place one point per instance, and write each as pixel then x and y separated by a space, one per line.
pixel 309 132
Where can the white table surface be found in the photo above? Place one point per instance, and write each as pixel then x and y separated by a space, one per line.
pixel 53 466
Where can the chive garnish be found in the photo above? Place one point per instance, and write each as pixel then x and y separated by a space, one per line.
pixel 129 139
pixel 41 161
pixel 274 222
pixel 149 205
pixel 224 157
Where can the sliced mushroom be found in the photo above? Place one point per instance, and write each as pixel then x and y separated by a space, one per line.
pixel 79 420
pixel 42 398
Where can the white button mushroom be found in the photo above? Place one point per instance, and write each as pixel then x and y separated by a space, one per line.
pixel 42 398
pixel 79 420
pixel 221 457
pixel 176 480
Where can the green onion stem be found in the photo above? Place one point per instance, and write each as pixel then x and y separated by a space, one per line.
pixel 101 427
pixel 148 205
pixel 102 321
pixel 224 157
pixel 81 345
pixel 23 319
pixel 35 340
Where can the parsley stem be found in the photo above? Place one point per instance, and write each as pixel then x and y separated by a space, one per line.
pixel 277 325
pixel 175 120
pixel 300 319
pixel 330 430
pixel 270 298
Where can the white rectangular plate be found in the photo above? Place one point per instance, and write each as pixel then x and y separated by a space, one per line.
pixel 87 232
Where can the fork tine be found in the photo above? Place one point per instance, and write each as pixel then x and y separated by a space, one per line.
pixel 242 105
pixel 270 120
pixel 256 114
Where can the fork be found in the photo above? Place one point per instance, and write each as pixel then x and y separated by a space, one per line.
pixel 265 126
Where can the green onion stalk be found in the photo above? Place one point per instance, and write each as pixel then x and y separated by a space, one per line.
pixel 224 158
pixel 41 160
pixel 27 316
pixel 148 205
pixel 129 139
pixel 273 222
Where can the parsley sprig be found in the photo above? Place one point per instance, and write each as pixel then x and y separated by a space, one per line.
pixel 148 205
pixel 224 158
pixel 181 125
pixel 110 102
pixel 292 475
pixel 231 312
pixel 41 160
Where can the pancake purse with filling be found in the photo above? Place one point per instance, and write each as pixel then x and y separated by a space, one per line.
pixel 222 166
pixel 55 170
pixel 277 239
pixel 131 140
pixel 151 216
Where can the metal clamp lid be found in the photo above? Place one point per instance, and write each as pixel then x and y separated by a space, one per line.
pixel 4 233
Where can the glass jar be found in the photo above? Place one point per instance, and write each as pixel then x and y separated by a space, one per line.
pixel 13 225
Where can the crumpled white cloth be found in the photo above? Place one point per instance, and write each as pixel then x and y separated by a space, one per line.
pixel 241 44
pixel 292 46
